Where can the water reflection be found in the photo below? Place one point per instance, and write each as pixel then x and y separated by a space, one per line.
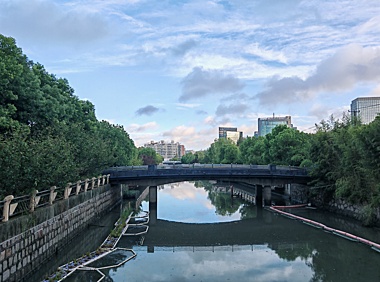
pixel 244 263
pixel 199 202
pixel 236 241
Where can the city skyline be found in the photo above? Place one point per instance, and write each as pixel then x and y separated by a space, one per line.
pixel 178 70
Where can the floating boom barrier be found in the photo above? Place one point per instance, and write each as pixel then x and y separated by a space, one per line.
pixel 346 235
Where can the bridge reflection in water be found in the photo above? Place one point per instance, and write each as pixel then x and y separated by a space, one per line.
pixel 262 246
pixel 249 232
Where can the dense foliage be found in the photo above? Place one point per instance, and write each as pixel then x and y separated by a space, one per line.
pixel 346 162
pixel 48 136
pixel 148 156
pixel 343 157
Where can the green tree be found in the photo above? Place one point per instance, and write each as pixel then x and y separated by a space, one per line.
pixel 222 151
pixel 288 147
pixel 188 158
pixel 252 150
pixel 148 156
pixel 48 135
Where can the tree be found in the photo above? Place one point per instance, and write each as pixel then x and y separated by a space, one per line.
pixel 48 135
pixel 222 151
pixel 148 156
pixel 252 150
pixel 188 158
pixel 288 147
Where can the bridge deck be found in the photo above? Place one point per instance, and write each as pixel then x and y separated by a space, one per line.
pixel 208 171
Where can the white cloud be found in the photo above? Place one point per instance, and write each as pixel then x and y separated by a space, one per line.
pixel 236 109
pixel 142 127
pixel 48 22
pixel 192 137
pixel 200 83
pixel 265 53
pixel 370 26
pixel 376 91
pixel 186 105
pixel 348 67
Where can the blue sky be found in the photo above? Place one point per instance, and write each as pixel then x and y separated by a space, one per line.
pixel 177 70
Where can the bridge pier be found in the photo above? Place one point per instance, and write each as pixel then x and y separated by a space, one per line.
pixel 152 205
pixel 267 195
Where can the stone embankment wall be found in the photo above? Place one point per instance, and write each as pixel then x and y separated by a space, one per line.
pixel 356 211
pixel 26 248
pixel 298 193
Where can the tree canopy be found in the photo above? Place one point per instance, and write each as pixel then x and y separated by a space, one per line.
pixel 342 156
pixel 48 136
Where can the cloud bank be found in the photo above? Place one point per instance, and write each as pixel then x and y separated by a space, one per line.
pixel 46 21
pixel 148 110
pixel 200 83
pixel 349 66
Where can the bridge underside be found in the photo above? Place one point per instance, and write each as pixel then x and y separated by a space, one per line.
pixel 273 181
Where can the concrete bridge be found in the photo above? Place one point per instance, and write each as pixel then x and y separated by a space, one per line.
pixel 152 175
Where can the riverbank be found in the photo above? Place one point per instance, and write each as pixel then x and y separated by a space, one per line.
pixel 86 241
pixel 367 215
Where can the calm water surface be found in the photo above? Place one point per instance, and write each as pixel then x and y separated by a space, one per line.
pixel 204 235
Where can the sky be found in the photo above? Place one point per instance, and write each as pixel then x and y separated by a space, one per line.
pixel 177 70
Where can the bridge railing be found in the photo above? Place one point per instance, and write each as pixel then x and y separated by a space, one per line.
pixel 193 169
pixel 12 206
pixel 196 166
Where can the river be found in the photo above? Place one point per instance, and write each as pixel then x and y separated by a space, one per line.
pixel 202 234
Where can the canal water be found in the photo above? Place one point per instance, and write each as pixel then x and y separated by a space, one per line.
pixel 88 240
pixel 198 232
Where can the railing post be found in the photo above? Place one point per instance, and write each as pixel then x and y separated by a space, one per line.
pixel 108 178
pixel 33 201
pixel 7 203
pixel 67 191
pixel 78 187
pixel 52 195
pixel 103 179
pixel 93 183
pixel 86 184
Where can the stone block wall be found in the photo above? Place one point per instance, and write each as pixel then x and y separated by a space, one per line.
pixel 298 193
pixel 26 249
pixel 356 211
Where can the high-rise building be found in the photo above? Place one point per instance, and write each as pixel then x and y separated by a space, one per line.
pixel 265 125
pixel 168 150
pixel 230 133
pixel 223 131
pixel 366 108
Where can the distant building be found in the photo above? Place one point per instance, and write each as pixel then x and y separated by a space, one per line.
pixel 234 136
pixel 266 125
pixel 366 108
pixel 223 131
pixel 230 133
pixel 168 150
pixel 182 151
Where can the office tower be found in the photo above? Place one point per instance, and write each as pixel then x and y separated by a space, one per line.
pixel 230 133
pixel 366 108
pixel 266 125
